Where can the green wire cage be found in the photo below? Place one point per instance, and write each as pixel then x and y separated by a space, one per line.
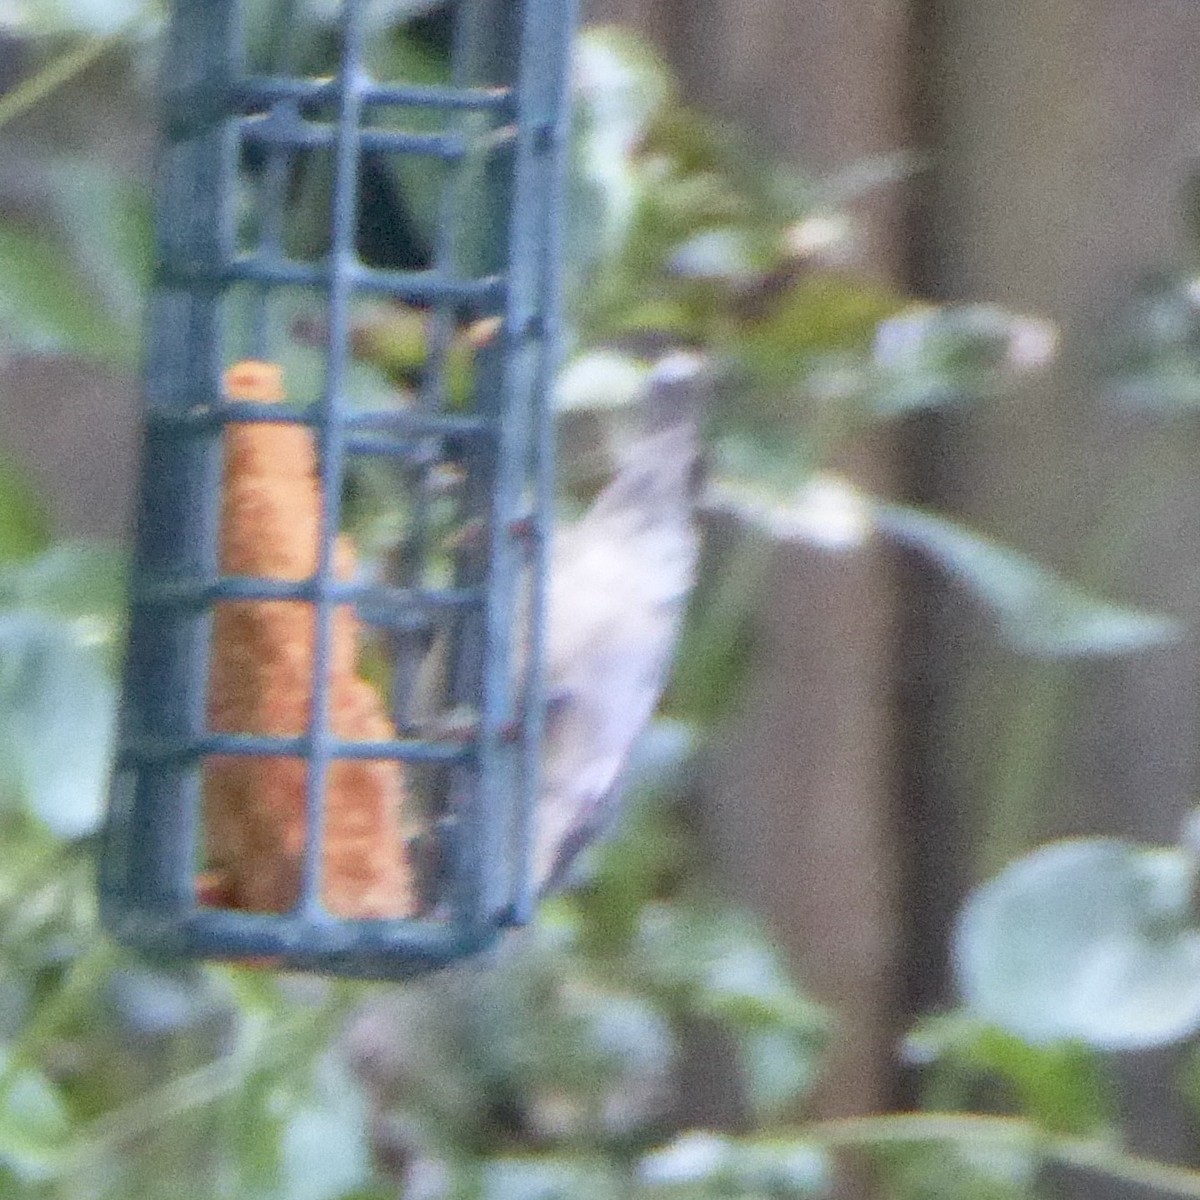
pixel 331 722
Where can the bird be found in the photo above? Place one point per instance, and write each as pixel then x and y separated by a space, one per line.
pixel 619 582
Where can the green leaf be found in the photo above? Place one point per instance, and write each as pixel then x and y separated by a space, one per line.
pixel 824 510
pixel 719 965
pixel 1063 1086
pixel 736 1166
pixel 1087 940
pixel 46 303
pixel 1170 387
pixel 822 315
pixel 98 18
pixel 966 1171
pixel 927 355
pixel 82 583
pixel 547 1178
pixel 164 1003
pixel 600 380
pixel 33 1123
pixel 696 1157
pixel 325 1151
pixel 622 87
pixel 778 1067
pixel 1155 363
pixel 71 579
pixel 24 521
pixel 1039 612
pixel 256 1124
pixel 870 173
pixel 57 718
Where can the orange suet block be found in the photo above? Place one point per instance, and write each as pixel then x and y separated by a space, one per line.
pixel 261 683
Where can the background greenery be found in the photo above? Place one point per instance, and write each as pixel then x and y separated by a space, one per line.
pixel 561 1067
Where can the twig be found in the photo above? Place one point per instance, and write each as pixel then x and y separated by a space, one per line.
pixel 53 75
pixel 1102 1157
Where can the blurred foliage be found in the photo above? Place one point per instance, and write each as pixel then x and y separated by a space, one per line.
pixel 1156 364
pixel 568 1045
pixel 555 1069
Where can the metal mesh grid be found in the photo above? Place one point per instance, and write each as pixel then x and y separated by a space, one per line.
pixel 498 137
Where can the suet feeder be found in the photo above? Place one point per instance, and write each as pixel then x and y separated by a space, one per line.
pixel 332 708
